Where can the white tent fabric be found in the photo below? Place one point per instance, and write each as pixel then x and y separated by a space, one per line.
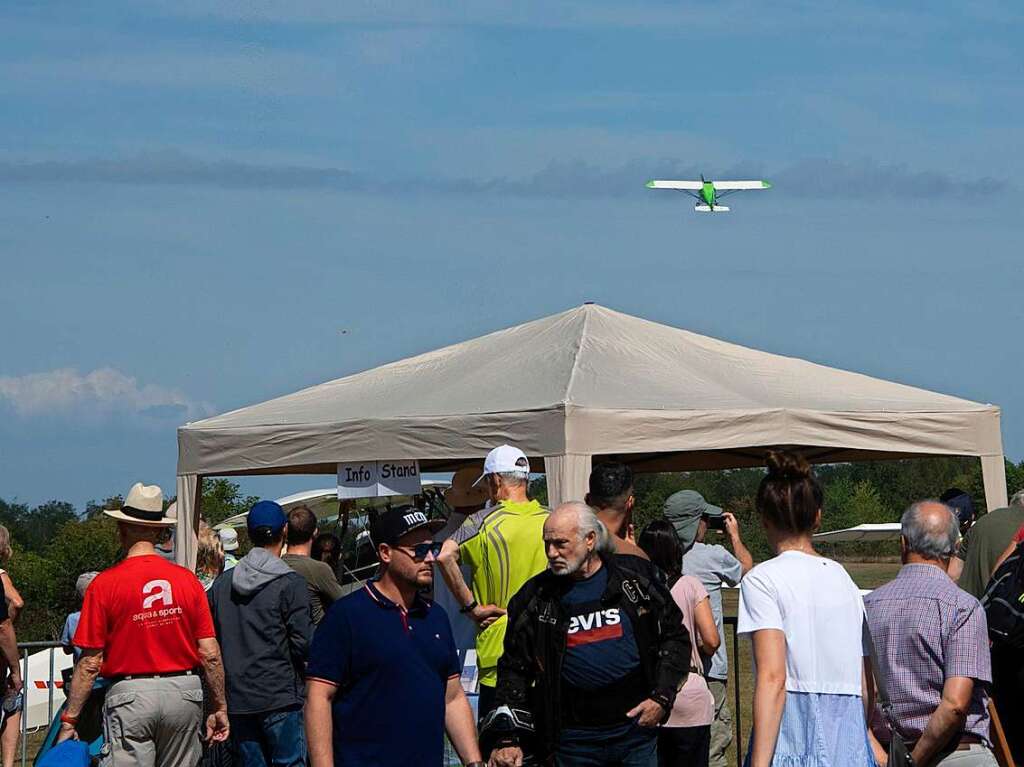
pixel 589 382
pixel 884 531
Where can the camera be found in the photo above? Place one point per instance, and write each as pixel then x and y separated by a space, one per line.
pixel 716 523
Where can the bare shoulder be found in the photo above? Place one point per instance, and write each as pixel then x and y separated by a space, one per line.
pixel 622 546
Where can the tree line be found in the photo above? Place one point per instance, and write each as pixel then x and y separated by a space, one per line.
pixel 54 542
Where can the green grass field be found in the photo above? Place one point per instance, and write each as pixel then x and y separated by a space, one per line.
pixel 867 575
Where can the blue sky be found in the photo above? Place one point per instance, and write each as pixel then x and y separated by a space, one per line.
pixel 197 197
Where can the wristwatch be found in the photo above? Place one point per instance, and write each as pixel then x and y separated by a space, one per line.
pixel 66 719
pixel 469 608
pixel 477 764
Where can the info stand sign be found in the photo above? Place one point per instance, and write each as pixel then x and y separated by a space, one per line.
pixel 372 479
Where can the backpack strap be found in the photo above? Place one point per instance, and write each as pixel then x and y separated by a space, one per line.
pixel 881 688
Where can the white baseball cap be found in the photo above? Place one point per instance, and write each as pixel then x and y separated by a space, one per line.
pixel 504 458
pixel 228 539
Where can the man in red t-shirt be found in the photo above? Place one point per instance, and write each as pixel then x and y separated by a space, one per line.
pixel 146 627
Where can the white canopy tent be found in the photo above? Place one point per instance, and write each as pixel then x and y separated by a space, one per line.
pixel 584 385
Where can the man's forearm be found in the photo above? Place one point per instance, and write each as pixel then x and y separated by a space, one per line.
pixel 86 671
pixel 452 574
pixel 945 722
pixel 213 670
pixel 319 731
pixel 742 554
pixel 458 721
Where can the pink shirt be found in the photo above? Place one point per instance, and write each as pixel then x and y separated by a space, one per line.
pixel 694 706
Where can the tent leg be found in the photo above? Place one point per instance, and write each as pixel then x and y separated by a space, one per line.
pixel 568 477
pixel 185 541
pixel 993 474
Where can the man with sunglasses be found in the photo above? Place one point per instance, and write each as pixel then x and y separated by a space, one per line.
pixel 383 648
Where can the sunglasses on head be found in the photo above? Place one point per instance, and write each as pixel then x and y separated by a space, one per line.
pixel 420 550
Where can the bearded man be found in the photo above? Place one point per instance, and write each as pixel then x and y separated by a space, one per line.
pixel 594 654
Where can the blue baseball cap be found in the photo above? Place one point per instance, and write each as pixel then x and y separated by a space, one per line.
pixel 266 514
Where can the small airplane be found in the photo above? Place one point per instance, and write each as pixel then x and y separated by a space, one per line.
pixel 708 193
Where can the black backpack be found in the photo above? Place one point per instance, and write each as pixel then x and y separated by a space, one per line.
pixel 1003 601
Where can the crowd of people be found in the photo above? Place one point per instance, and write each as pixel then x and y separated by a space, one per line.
pixel 596 644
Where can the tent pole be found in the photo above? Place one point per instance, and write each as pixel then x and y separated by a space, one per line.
pixel 185 540
pixel 993 474
pixel 568 477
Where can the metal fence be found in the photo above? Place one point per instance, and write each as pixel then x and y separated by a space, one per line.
pixel 28 648
pixel 25 649
pixel 734 670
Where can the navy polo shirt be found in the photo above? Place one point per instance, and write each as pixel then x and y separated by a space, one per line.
pixel 391 667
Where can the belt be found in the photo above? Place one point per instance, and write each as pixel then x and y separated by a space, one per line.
pixel 967 740
pixel 164 675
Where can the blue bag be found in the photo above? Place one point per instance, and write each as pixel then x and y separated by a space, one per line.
pixel 70 753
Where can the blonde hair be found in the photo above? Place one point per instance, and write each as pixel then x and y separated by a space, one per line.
pixel 210 554
pixel 5 544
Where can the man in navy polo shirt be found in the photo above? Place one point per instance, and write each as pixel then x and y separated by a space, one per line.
pixel 388 648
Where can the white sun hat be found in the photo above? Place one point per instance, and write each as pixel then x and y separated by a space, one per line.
pixel 144 505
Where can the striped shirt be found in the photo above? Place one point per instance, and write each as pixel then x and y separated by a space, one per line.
pixel 504 547
pixel 926 630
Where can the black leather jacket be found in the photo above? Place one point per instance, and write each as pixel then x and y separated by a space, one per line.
pixel 530 669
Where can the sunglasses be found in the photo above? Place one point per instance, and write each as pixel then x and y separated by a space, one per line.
pixel 420 550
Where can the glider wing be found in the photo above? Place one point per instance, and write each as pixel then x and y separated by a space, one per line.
pixel 692 186
pixel 724 186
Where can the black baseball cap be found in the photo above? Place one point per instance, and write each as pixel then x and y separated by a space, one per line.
pixel 961 503
pixel 392 524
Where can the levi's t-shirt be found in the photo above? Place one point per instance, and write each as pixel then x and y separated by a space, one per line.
pixel 600 647
pixel 147 616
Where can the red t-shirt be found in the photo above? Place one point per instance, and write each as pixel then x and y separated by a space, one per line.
pixel 147 615
pixel 1019 537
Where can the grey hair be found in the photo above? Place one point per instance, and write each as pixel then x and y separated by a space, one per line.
pixel 1017 499
pixel 930 540
pixel 590 523
pixel 514 477
pixel 82 584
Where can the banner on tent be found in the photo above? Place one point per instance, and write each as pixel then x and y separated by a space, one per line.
pixel 371 479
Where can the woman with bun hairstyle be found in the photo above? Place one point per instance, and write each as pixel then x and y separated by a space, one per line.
pixel 805 617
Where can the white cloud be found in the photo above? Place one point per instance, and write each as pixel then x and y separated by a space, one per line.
pixel 102 392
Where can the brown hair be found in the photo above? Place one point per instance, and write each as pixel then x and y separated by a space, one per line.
pixel 210 552
pixel 5 544
pixel 301 525
pixel 790 496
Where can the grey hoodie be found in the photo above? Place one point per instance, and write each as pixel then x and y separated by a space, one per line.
pixel 262 617
pixel 255 570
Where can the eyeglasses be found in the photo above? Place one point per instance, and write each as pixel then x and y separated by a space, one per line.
pixel 420 550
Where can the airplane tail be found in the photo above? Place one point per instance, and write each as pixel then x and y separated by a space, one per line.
pixel 711 208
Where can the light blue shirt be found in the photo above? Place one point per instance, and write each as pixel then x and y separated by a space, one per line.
pixel 67 636
pixel 713 565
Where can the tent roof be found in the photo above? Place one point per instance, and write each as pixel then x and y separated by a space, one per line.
pixel 590 381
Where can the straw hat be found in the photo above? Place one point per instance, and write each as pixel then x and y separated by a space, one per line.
pixel 463 493
pixel 144 505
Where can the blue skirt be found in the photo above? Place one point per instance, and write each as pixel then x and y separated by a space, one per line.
pixel 819 730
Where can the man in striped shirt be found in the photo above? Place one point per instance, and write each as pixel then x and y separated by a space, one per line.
pixel 504 548
pixel 931 639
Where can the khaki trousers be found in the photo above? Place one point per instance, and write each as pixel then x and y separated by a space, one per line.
pixel 975 756
pixel 153 723
pixel 721 725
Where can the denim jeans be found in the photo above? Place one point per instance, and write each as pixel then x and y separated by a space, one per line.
pixel 274 739
pixel 627 745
